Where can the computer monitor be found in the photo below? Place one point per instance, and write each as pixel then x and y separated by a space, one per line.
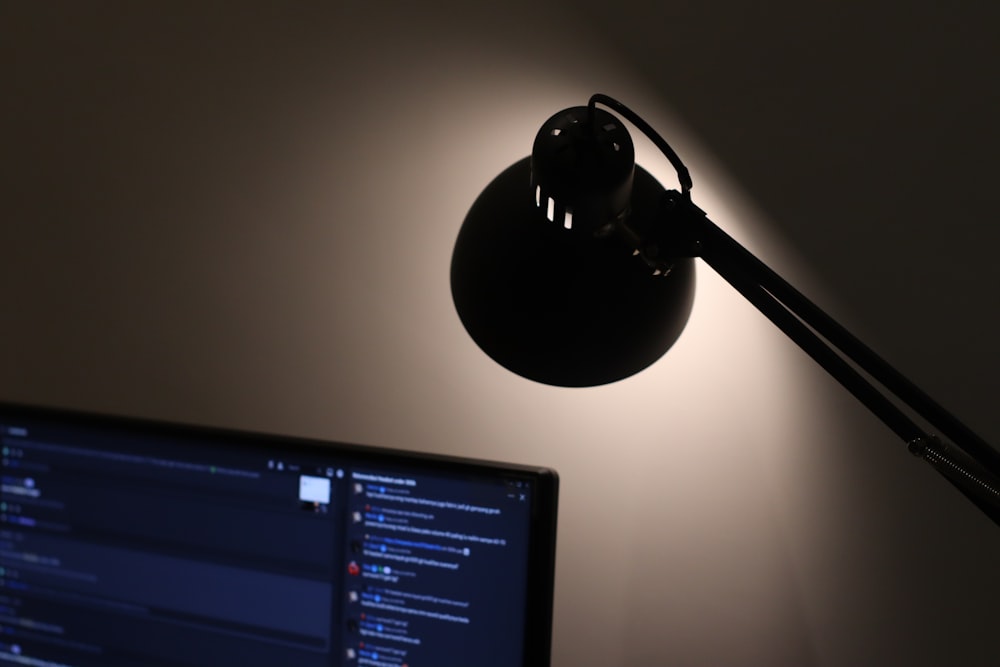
pixel 131 543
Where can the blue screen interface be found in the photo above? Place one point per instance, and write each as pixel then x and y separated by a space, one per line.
pixel 125 548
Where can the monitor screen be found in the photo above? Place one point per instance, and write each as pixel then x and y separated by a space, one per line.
pixel 128 543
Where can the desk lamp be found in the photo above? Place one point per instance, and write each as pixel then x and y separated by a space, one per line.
pixel 574 267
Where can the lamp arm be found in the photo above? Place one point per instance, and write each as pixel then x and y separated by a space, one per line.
pixel 971 464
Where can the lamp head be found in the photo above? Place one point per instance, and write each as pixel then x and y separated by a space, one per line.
pixel 544 275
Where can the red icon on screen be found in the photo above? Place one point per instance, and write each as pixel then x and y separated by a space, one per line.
pixel 353 569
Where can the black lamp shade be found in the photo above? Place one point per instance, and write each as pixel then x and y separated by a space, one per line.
pixel 561 306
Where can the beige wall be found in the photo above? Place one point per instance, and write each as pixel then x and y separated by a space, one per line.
pixel 244 217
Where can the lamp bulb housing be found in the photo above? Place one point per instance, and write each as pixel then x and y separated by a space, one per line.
pixel 583 165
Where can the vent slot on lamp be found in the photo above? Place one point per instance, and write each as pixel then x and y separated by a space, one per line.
pixel 553 210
